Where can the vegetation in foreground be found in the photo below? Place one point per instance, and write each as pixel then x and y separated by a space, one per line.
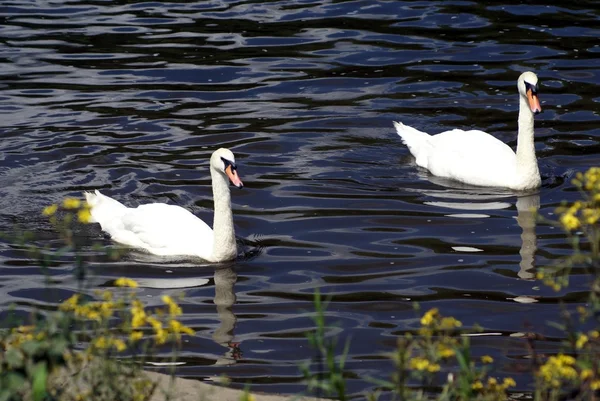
pixel 40 357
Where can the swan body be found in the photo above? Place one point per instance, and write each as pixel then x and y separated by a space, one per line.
pixel 170 230
pixel 476 157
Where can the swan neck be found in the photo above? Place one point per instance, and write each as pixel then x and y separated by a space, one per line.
pixel 224 245
pixel 527 166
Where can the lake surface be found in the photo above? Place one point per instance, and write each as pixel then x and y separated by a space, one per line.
pixel 132 97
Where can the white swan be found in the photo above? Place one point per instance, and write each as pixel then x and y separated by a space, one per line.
pixel 477 158
pixel 170 230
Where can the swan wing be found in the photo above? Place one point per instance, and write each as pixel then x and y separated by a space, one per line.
pixel 474 157
pixel 164 230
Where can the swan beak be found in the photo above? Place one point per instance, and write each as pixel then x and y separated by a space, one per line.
pixel 534 102
pixel 234 177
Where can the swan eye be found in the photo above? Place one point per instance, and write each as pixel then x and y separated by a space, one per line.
pixel 227 163
pixel 533 88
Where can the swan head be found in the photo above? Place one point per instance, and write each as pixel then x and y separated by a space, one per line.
pixel 223 161
pixel 528 88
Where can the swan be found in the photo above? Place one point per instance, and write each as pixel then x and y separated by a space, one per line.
pixel 169 230
pixel 476 157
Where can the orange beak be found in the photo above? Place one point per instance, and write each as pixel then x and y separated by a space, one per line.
pixel 234 177
pixel 534 102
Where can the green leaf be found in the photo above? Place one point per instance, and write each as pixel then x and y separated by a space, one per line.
pixel 40 377
pixel 15 382
pixel 14 358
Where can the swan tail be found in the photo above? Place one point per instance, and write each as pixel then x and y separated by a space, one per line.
pixel 418 142
pixel 102 207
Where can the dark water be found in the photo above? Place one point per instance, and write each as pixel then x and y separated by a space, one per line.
pixel 132 98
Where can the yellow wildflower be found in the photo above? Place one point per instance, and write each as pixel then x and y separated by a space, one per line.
pixel 590 215
pixel 71 203
pixel 50 210
pixel 595 385
pixel 119 345
pixel 581 341
pixel 100 343
pixel 557 368
pixel 477 385
pixel 138 315
pixel 586 374
pixel 71 303
pixel 423 364
pixel 569 221
pixel 155 323
pixel 509 382
pixel 177 327
pixel 450 323
pixel 84 216
pixel 136 335
pixel 595 334
pixel 126 282
pixel 419 363
pixel 429 316
pixel 487 359
pixel 174 309
pixel 161 336
pixel 107 309
pixel 444 351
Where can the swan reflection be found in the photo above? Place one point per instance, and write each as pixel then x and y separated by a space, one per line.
pixel 471 201
pixel 224 298
pixel 225 279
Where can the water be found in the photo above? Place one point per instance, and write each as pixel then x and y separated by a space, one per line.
pixel 132 98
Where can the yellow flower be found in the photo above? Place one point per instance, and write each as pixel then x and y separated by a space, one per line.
pixel 119 345
pixel 161 336
pixel 487 359
pixel 477 385
pixel 444 351
pixel 136 336
pixel 50 210
pixel 586 374
pixel 138 315
pixel 71 203
pixel 595 334
pixel 71 303
pixel 174 309
pixel 569 221
pixel 557 368
pixel 177 327
pixel 428 317
pixel 84 216
pixel 155 323
pixel 590 215
pixel 419 363
pixel 509 382
pixel 100 343
pixel 581 341
pixel 423 364
pixel 126 282
pixel 450 323
pixel 595 385
pixel 433 367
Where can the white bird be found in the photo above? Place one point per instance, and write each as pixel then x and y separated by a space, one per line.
pixel 170 230
pixel 476 157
